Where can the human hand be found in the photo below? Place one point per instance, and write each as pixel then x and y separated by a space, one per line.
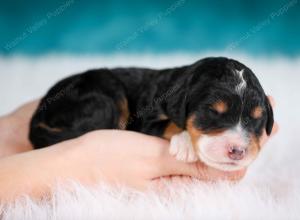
pixel 112 156
pixel 14 129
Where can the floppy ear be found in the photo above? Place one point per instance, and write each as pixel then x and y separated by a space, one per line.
pixel 176 107
pixel 270 117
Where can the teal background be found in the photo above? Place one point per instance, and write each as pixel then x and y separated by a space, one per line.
pixel 136 26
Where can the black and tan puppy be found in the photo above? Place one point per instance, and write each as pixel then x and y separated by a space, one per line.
pixel 214 110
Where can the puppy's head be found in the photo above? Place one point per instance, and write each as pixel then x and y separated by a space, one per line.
pixel 227 112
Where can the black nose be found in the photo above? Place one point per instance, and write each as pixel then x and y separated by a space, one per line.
pixel 236 153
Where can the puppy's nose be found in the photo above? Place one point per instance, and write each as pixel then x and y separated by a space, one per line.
pixel 236 153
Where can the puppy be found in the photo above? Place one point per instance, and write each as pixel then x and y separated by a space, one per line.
pixel 214 110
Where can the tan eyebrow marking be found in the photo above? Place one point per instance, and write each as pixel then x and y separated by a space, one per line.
pixel 220 106
pixel 257 112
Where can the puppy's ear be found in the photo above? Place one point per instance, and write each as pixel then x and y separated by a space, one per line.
pixel 177 106
pixel 270 117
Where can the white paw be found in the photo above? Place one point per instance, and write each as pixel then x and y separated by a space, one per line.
pixel 182 148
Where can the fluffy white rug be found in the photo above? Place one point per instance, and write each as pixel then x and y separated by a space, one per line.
pixel 271 189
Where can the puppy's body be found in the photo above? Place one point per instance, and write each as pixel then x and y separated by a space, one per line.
pixel 130 98
pixel 204 100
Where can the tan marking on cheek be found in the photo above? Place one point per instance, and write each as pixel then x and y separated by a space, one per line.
pixel 46 127
pixel 257 112
pixel 254 146
pixel 171 130
pixel 124 110
pixel 194 132
pixel 220 106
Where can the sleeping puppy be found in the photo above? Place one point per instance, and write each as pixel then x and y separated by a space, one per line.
pixel 214 110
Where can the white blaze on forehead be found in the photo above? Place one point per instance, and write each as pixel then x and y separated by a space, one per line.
pixel 242 83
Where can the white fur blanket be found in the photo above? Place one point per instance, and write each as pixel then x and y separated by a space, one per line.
pixel 270 190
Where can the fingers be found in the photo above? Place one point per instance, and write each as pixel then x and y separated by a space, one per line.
pixel 212 174
pixel 264 139
pixel 272 101
pixel 202 172
pixel 170 166
pixel 275 128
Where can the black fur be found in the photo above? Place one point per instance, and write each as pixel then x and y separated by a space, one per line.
pixel 90 101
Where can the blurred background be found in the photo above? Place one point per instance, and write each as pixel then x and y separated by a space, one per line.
pixel 34 27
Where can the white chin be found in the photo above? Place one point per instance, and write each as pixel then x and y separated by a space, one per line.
pixel 230 166
pixel 226 167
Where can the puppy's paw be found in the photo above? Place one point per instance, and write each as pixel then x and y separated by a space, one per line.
pixel 182 148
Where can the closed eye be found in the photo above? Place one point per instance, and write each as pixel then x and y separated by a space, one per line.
pixel 211 109
pixel 214 111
